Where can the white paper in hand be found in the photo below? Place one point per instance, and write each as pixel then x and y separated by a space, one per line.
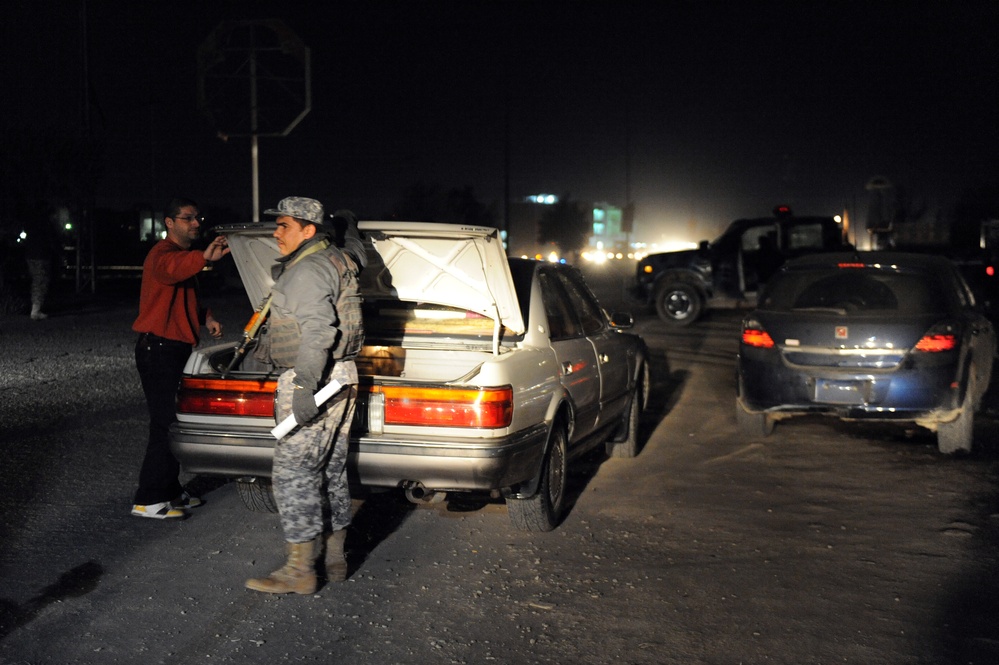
pixel 323 396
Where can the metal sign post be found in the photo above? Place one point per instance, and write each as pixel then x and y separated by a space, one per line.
pixel 255 60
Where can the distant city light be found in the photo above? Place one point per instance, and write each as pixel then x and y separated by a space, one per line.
pixel 543 199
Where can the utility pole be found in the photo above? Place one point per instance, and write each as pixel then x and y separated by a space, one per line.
pixel 628 214
pixel 85 227
pixel 506 172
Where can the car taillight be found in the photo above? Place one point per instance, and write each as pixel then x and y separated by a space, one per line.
pixel 222 397
pixel 447 407
pixel 935 343
pixel 756 336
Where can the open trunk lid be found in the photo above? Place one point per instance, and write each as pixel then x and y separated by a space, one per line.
pixel 452 265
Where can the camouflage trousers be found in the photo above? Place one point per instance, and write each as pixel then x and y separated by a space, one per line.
pixel 310 463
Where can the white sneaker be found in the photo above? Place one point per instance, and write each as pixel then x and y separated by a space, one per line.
pixel 186 500
pixel 39 316
pixel 159 511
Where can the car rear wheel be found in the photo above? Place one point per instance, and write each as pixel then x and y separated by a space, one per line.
pixel 753 425
pixel 957 435
pixel 679 303
pixel 542 511
pixel 257 494
pixel 628 446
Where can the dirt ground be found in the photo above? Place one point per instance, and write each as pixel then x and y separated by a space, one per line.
pixel 824 543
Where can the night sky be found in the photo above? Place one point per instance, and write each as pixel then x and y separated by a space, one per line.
pixel 703 112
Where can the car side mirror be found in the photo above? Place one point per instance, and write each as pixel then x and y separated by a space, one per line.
pixel 622 320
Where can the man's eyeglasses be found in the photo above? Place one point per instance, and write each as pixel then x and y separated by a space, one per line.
pixel 188 218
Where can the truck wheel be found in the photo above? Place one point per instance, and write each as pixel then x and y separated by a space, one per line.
pixel 679 304
pixel 753 425
pixel 257 494
pixel 541 512
pixel 957 435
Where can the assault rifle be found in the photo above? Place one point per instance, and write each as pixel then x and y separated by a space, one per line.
pixel 250 331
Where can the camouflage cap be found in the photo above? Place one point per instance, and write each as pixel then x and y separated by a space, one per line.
pixel 299 207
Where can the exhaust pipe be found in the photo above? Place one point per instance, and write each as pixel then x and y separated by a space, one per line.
pixel 417 493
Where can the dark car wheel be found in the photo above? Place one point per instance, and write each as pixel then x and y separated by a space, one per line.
pixel 257 494
pixel 753 425
pixel 957 435
pixel 679 304
pixel 542 511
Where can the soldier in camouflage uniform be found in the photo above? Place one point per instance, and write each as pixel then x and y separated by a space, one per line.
pixel 314 333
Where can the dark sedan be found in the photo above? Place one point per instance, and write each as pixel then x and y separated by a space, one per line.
pixel 867 336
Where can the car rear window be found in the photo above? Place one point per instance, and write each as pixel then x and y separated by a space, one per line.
pixel 858 291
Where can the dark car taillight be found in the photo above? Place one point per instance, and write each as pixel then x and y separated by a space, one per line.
pixel 754 335
pixel 936 343
pixel 939 338
pixel 227 397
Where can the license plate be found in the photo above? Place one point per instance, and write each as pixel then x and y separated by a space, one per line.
pixel 842 392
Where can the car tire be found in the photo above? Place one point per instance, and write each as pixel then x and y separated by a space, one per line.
pixel 542 511
pixel 957 435
pixel 628 445
pixel 679 303
pixel 753 425
pixel 257 494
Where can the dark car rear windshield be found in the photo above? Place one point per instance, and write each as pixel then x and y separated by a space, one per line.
pixel 858 290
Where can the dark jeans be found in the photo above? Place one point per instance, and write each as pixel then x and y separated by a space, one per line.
pixel 160 363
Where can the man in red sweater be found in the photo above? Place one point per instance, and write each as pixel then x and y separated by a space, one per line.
pixel 169 323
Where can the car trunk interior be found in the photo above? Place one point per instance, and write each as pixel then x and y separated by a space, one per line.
pixel 376 361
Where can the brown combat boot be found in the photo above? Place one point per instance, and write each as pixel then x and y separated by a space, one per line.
pixel 298 575
pixel 334 560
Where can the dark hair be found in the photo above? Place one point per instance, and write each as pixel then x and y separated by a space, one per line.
pixel 175 205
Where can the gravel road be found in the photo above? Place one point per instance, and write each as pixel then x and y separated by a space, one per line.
pixel 822 544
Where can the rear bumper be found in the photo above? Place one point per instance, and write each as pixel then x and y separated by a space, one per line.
pixel 437 464
pixel 928 394
pixel 926 417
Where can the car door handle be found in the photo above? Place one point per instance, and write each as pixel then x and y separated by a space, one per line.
pixel 604 358
pixel 569 367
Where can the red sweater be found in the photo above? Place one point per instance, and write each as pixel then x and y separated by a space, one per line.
pixel 168 300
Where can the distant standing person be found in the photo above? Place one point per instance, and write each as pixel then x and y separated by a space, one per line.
pixel 314 334
pixel 41 246
pixel 169 323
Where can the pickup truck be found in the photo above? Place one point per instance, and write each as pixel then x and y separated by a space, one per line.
pixel 479 374
pixel 728 272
